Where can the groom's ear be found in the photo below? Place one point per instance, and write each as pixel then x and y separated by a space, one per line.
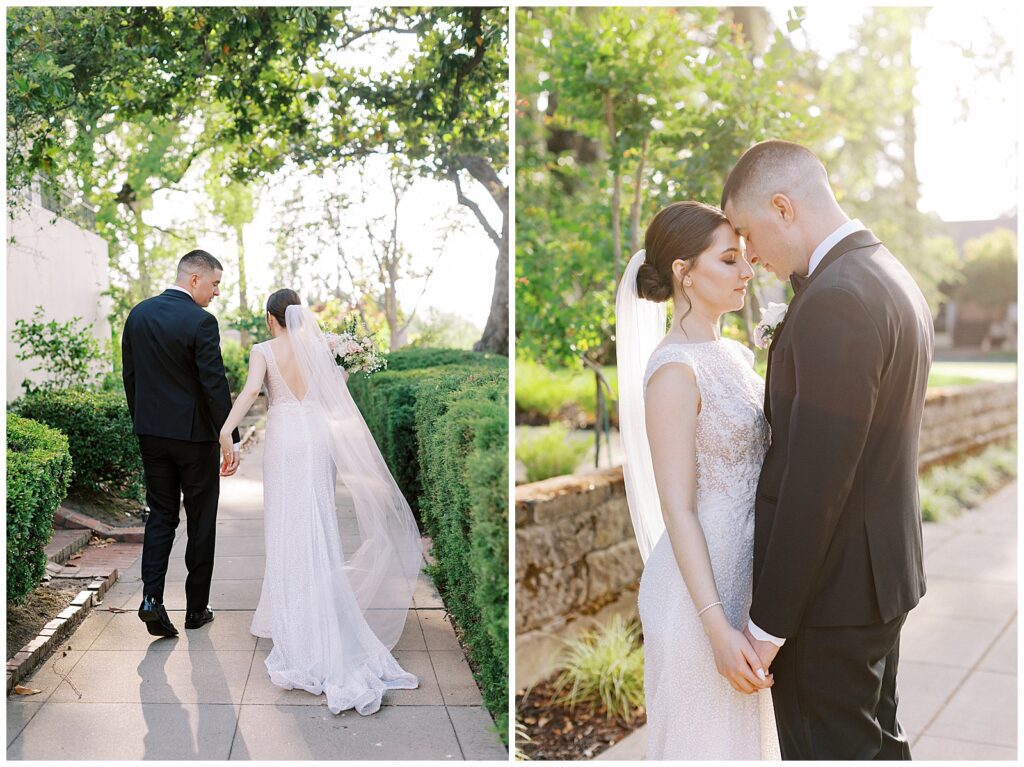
pixel 782 207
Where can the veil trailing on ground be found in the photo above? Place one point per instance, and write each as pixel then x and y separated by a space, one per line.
pixel 639 326
pixel 383 570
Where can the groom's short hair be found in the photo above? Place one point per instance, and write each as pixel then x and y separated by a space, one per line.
pixel 782 165
pixel 198 261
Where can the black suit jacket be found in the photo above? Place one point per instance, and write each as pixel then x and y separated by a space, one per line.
pixel 837 532
pixel 172 370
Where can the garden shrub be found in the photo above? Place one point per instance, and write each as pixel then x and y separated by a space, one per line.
pixel 947 490
pixel 604 667
pixel 443 430
pixel 550 451
pixel 38 474
pixel 548 394
pixel 236 365
pixel 101 438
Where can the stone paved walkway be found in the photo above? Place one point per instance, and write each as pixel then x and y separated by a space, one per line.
pixel 206 694
pixel 958 651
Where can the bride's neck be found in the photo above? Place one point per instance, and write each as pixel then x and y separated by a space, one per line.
pixel 697 325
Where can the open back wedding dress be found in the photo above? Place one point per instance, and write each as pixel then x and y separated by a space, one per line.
pixel 333 612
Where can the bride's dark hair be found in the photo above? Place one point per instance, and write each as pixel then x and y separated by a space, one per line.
pixel 682 230
pixel 279 302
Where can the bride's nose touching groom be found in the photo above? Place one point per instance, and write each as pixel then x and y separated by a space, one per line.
pixel 333 619
pixel 778 519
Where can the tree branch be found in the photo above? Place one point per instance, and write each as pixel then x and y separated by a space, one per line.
pixel 463 200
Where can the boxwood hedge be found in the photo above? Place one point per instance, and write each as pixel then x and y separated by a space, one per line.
pixel 38 474
pixel 100 435
pixel 441 420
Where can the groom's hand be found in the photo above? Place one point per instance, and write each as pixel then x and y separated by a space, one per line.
pixel 766 651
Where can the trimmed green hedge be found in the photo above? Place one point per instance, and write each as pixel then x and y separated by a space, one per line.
pixel 100 435
pixel 38 474
pixel 443 430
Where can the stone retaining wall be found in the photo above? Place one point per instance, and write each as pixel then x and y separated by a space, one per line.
pixel 576 557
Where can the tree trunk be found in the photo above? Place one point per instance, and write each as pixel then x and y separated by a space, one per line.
pixel 145 283
pixel 243 300
pixel 495 337
pixel 634 212
pixel 609 119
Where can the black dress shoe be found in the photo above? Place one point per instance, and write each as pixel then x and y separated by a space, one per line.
pixel 195 620
pixel 154 615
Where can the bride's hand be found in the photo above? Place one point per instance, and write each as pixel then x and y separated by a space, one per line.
pixel 228 463
pixel 737 661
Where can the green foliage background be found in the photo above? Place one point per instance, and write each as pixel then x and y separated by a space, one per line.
pixel 623 110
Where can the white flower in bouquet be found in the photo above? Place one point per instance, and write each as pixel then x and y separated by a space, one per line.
pixel 356 354
pixel 771 318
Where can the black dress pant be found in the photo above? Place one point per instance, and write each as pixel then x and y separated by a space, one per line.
pixel 835 693
pixel 176 468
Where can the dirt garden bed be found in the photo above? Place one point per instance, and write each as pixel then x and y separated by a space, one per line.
pixel 558 733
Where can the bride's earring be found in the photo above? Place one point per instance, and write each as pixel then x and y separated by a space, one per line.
pixel 687 282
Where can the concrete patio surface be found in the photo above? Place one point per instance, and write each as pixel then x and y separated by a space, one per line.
pixel 957 679
pixel 206 693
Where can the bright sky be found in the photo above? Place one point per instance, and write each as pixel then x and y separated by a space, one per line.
pixel 463 279
pixel 967 167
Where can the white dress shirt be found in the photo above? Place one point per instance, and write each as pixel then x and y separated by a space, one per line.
pixel 816 258
pixel 237 445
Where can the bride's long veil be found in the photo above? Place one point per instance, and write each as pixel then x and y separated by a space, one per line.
pixel 639 326
pixel 383 570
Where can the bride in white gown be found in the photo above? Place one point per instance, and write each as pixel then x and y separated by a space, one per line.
pixel 694 437
pixel 333 615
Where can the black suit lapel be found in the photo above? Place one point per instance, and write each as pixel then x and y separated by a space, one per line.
pixel 862 238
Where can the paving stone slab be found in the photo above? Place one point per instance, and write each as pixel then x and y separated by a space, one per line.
pixel 228 631
pixel 948 641
pixel 134 676
pixel 962 598
pixel 924 688
pixel 976 557
pixel 48 676
pixel 1002 658
pixel 117 731
pixel 457 684
pixel 302 733
pixel 931 748
pixel 983 710
pixel 19 716
pixel 225 567
pixel 437 630
pixel 224 595
pixel 477 734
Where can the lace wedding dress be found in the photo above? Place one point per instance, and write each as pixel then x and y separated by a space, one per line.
pixel 692 711
pixel 308 606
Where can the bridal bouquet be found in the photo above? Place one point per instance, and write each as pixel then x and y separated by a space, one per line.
pixel 355 351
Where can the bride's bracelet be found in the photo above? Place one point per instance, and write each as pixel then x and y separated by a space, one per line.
pixel 708 607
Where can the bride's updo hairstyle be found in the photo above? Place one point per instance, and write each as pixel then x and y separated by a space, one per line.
pixel 279 302
pixel 682 230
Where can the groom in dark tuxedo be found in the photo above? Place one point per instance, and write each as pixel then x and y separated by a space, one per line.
pixel 838 558
pixel 179 398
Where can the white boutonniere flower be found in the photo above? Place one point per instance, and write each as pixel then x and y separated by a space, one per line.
pixel 771 318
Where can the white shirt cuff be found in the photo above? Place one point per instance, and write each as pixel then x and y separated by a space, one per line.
pixel 764 636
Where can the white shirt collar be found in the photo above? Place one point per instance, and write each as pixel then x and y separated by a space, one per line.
pixel 178 287
pixel 829 242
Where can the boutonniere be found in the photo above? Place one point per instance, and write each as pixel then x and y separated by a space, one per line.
pixel 771 318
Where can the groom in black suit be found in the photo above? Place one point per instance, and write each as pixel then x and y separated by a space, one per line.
pixel 838 558
pixel 179 398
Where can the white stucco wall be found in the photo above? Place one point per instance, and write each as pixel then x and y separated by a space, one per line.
pixel 54 263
